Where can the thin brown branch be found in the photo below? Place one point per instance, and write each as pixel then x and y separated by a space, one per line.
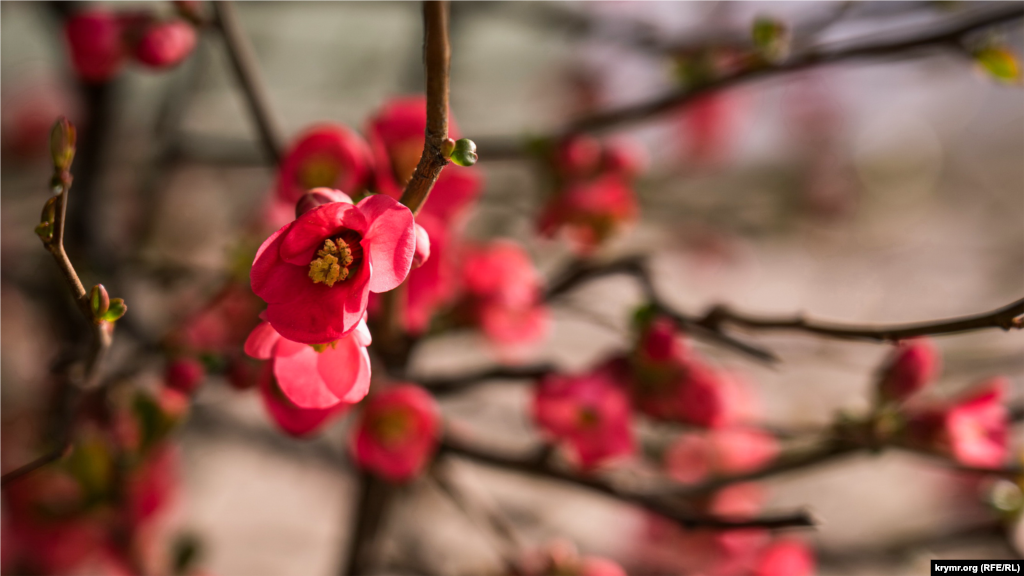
pixel 443 385
pixel 1007 317
pixel 436 53
pixel 946 37
pixel 243 60
pixel 538 466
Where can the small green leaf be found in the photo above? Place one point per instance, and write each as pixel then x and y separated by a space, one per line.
pixel 1000 63
pixel 116 310
pixel 464 153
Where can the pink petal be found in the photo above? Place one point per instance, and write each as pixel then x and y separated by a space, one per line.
pixel 301 382
pixel 346 370
pixel 307 234
pixel 272 279
pixel 362 334
pixel 322 315
pixel 261 341
pixel 290 418
pixel 389 241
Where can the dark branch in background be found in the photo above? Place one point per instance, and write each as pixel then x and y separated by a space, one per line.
pixel 441 386
pixel 243 60
pixel 948 37
pixel 538 466
pixel 436 53
pixel 72 389
pixel 580 272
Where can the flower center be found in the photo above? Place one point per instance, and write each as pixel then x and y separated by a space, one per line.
pixel 318 171
pixel 588 417
pixel 391 427
pixel 339 258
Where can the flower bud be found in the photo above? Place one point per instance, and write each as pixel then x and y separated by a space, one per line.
pixel 319 197
pixel 45 228
pixel 97 50
pixel 909 369
pixel 62 144
pixel 626 157
pixel 99 301
pixel 422 253
pixel 464 153
pixel 116 310
pixel 999 62
pixel 166 44
pixel 185 375
pixel 447 148
pixel 771 39
pixel 578 156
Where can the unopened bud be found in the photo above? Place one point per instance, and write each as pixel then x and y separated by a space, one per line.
pixel 62 144
pixel 771 39
pixel 99 301
pixel 185 374
pixel 447 148
pixel 166 44
pixel 999 62
pixel 464 153
pixel 909 369
pixel 319 197
pixel 422 253
pixel 45 228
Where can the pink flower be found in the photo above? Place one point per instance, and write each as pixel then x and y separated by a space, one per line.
pixel 324 156
pixel 561 558
pixel 504 290
pixel 624 157
pixel 221 325
pixel 185 374
pixel 97 50
pixel 396 136
pixel 433 283
pixel 707 125
pixel 786 558
pixel 294 421
pixel 588 413
pixel 742 500
pixel 696 456
pixel 165 44
pixel 911 368
pixel 660 342
pixel 973 429
pixel 315 377
pixel 316 273
pixel 397 432
pixel 578 157
pixel 590 212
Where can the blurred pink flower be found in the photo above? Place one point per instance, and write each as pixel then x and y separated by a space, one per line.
pixel 316 273
pixel 95 40
pixel 910 368
pixel 397 432
pixel 588 413
pixel 165 44
pixel 185 374
pixel 697 456
pixel 590 212
pixel 786 558
pixel 973 429
pixel 325 156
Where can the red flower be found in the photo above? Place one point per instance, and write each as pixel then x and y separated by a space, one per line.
pixel 589 413
pixel 590 212
pixel 325 156
pixel 185 374
pixel 165 44
pixel 97 50
pixel 316 273
pixel 696 456
pixel 504 291
pixel 291 419
pixel 973 429
pixel 315 377
pixel 396 137
pixel 786 558
pixel 397 433
pixel 660 342
pixel 911 368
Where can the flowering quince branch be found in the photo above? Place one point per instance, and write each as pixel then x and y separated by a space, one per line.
pixel 949 36
pixel 539 465
pixel 96 306
pixel 243 60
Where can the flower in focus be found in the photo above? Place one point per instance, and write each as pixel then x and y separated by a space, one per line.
pixel 588 413
pixel 973 429
pixel 320 376
pixel 397 432
pixel 316 273
pixel 165 44
pixel 325 156
pixel 910 368
pixel 95 40
pixel 503 292
pixel 291 419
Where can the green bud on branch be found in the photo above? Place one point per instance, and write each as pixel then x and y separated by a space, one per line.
pixel 999 62
pixel 464 153
pixel 115 311
pixel 45 227
pixel 771 39
pixel 99 301
pixel 62 144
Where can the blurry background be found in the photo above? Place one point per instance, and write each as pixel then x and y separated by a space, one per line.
pixel 868 191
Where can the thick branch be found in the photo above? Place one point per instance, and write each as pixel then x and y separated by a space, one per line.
pixel 243 60
pixel 436 53
pixel 538 466
pixel 949 36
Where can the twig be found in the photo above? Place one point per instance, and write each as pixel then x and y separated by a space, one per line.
pixel 538 466
pixel 440 386
pixel 1008 317
pixel 374 497
pixel 946 37
pixel 436 53
pixel 243 59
